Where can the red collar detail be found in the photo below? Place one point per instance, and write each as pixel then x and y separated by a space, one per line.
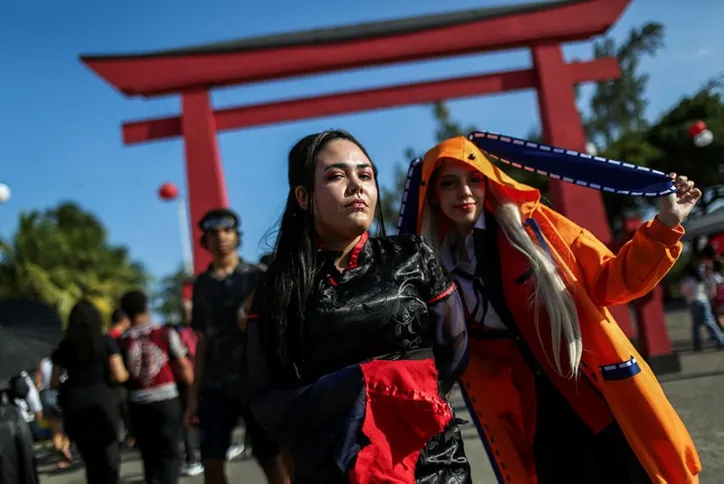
pixel 356 250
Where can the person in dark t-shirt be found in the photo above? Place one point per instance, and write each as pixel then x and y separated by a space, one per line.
pixel 220 295
pixel 92 367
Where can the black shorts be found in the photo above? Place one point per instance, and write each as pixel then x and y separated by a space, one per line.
pixel 218 416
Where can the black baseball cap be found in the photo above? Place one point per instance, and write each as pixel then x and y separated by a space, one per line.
pixel 219 218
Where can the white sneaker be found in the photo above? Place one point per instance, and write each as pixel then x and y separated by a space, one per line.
pixel 234 451
pixel 193 469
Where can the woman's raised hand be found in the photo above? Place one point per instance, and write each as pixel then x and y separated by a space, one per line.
pixel 675 207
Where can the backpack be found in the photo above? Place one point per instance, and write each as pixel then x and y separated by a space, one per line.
pixel 146 356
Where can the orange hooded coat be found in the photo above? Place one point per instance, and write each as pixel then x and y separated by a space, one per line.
pixel 622 386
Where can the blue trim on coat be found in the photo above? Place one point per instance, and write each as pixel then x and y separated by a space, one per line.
pixel 620 371
pixel 581 169
pixel 483 439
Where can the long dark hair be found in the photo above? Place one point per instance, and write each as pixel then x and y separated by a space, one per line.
pixel 84 334
pixel 290 277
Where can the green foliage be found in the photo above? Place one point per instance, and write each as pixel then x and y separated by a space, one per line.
pixel 617 120
pixel 677 150
pixel 390 197
pixel 167 299
pixel 446 126
pixel 667 146
pixel 61 255
pixel 618 106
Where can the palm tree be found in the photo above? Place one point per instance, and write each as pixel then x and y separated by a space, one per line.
pixel 61 255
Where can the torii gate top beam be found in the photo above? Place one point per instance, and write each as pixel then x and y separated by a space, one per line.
pixel 371 44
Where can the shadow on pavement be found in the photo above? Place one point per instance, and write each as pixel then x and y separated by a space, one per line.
pixel 47 462
pixel 689 376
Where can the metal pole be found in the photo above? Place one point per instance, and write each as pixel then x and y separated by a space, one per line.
pixel 185 232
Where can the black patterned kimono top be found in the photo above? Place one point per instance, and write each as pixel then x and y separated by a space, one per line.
pixel 382 342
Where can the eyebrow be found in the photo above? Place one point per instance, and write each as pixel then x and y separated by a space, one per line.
pixel 343 165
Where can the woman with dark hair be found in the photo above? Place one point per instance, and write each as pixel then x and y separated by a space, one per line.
pixel 93 366
pixel 353 341
pixel 697 295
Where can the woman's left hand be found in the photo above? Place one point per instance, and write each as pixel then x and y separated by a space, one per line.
pixel 675 207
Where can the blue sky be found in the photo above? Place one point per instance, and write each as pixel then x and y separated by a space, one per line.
pixel 60 124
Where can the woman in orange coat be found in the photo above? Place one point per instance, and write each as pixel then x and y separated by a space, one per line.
pixel 556 390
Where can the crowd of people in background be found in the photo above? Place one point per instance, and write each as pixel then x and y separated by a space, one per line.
pixel 702 287
pixel 152 387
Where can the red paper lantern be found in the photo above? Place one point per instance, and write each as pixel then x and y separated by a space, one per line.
pixel 700 134
pixel 168 192
pixel 697 128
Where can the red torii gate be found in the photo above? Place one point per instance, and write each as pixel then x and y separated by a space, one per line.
pixel 542 27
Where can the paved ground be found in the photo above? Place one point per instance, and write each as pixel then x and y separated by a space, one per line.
pixel 697 392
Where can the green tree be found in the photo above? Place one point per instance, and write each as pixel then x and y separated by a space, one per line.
pixel 677 152
pixel 446 126
pixel 392 195
pixel 666 146
pixel 617 122
pixel 63 254
pixel 167 299
pixel 618 106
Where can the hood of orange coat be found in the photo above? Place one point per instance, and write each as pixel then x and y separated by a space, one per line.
pixel 499 185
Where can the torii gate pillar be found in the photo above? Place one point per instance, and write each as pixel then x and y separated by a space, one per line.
pixel 562 127
pixel 204 173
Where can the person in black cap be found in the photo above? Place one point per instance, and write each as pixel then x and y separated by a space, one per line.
pixel 220 295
